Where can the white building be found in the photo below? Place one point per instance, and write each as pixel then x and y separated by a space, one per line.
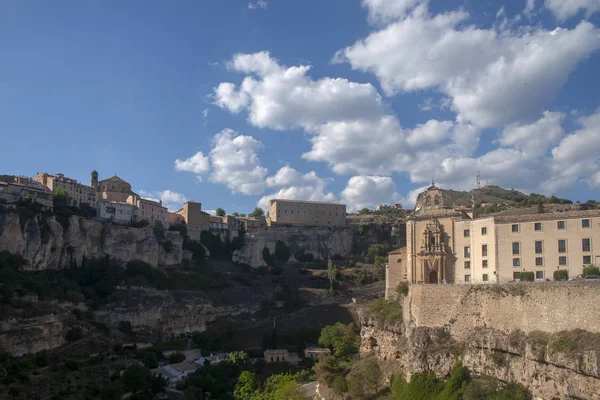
pixel 121 213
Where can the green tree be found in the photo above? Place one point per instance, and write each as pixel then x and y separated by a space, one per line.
pixel 332 274
pixel 220 212
pixel 377 250
pixel 246 387
pixel 176 357
pixel 236 214
pixel 591 271
pixel 357 387
pixel 158 384
pixel 283 387
pixel 339 385
pixel 136 378
pixel 239 359
pixel 453 388
pixel 74 334
pixel 371 375
pixel 258 212
pixel 340 338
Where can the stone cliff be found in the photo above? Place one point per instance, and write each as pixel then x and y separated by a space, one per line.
pixel 164 312
pixel 46 244
pixel 20 336
pixel 321 242
pixel 545 336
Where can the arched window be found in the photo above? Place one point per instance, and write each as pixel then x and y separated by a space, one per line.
pixel 436 200
pixel 428 201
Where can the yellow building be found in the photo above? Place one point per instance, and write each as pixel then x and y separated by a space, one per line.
pixel 299 212
pixel 151 210
pixel 193 217
pixel 77 193
pixel 449 244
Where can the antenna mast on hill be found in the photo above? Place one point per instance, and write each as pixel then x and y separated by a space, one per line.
pixel 478 179
pixel 487 181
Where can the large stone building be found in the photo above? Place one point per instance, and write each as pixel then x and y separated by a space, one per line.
pixel 193 217
pixel 446 243
pixel 299 212
pixel 77 193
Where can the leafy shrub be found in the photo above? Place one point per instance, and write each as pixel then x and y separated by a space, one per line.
pixel 282 252
pixel 527 276
pixel 561 275
pixel 564 344
pixel 590 271
pixel 384 312
pixel 176 357
pixel 140 224
pixel 375 250
pixel 125 327
pixel 339 338
pixel 402 289
pixel 159 230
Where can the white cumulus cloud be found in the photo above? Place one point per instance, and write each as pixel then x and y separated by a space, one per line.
pixel 293 184
pixel 235 163
pixel 368 192
pixel 565 9
pixel 493 76
pixel 197 164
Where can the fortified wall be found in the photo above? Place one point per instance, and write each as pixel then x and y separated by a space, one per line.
pixel 545 336
pixel 548 307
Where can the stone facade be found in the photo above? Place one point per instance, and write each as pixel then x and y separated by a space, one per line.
pixel 15 188
pixel 195 219
pixel 451 245
pixel 298 212
pixel 77 193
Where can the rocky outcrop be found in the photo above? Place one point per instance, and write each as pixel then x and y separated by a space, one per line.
pixel 553 363
pixel 21 336
pixel 46 244
pixel 165 313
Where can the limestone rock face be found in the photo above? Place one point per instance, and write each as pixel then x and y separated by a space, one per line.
pixel 468 326
pixel 45 244
pixel 165 312
pixel 31 335
pixel 321 242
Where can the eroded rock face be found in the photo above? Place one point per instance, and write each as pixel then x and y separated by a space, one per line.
pixel 321 242
pixel 45 244
pixel 30 335
pixel 165 312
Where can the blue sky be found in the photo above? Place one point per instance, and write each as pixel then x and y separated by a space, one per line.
pixel 398 92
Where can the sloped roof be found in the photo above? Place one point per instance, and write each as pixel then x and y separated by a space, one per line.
pixel 115 179
pixel 398 251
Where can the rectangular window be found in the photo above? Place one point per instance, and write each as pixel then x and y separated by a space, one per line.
pixel 467 252
pixel 539 261
pixel 537 226
pixel 516 248
pixel 539 275
pixel 560 225
pixel 484 250
pixel 467 278
pixel 562 260
pixel 484 231
pixel 586 245
pixel 485 277
pixel 516 275
pixel 539 247
pixel 587 260
pixel 516 262
pixel 467 233
pixel 562 246
pixel 585 223
pixel 515 228
pixel 484 264
pixel 467 264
